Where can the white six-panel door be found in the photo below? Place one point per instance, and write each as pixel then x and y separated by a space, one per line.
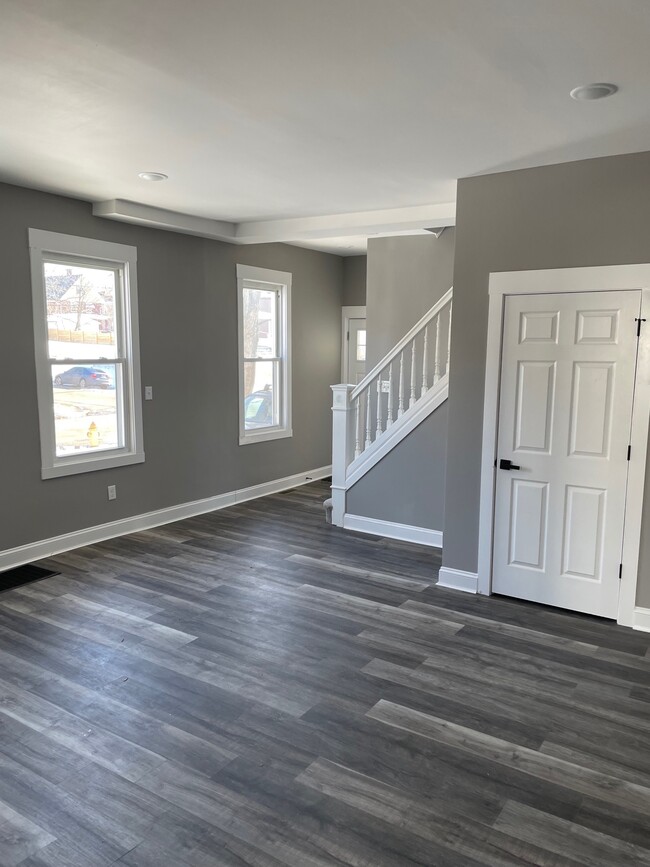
pixel 566 393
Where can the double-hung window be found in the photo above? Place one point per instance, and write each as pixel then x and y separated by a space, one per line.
pixel 86 348
pixel 264 301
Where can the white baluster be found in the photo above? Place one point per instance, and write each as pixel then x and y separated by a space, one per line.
pixel 436 364
pixel 389 419
pixel 400 405
pixel 357 427
pixel 368 420
pixel 378 431
pixel 412 398
pixel 449 340
pixel 425 363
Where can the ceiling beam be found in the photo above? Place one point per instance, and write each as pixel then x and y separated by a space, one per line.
pixel 160 218
pixel 362 223
pixel 340 225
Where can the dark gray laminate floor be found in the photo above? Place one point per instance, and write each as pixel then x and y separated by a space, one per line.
pixel 253 687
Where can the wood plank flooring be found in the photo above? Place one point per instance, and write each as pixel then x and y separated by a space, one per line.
pixel 255 687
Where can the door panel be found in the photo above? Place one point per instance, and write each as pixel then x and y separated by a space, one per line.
pixel 597 326
pixel 538 326
pixel 591 408
pixel 528 523
pixel 583 530
pixel 567 380
pixel 535 400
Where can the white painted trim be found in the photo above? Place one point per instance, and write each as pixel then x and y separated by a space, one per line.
pixel 641 619
pixel 336 225
pixel 161 218
pixel 123 259
pixel 399 429
pixel 408 337
pixel 636 472
pixel 457 579
pixel 552 281
pixel 388 221
pixel 391 530
pixel 348 313
pixel 91 535
pixel 280 281
pixel 489 446
pixel 342 421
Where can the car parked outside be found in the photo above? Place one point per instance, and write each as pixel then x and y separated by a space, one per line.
pixel 83 377
pixel 258 409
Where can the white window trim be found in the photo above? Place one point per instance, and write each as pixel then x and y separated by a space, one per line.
pixel 42 243
pixel 277 278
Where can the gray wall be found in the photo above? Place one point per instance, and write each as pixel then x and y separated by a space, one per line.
pixel 408 485
pixel 354 281
pixel 406 276
pixel 188 337
pixel 592 212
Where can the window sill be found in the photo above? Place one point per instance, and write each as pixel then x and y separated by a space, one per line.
pixel 90 465
pixel 261 436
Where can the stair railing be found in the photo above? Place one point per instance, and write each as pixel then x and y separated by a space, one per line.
pixel 363 413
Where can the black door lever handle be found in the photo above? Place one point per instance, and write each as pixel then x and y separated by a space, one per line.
pixel 505 464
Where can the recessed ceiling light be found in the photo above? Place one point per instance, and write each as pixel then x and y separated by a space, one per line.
pixel 152 176
pixel 593 91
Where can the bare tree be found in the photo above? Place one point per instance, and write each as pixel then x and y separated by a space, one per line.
pixel 83 290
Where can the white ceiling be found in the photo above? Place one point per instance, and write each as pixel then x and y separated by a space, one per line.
pixel 265 110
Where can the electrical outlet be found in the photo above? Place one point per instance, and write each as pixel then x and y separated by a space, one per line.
pixel 112 492
pixel 148 392
pixel 385 386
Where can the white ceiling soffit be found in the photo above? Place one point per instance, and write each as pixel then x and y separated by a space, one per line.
pixel 264 114
pixel 337 227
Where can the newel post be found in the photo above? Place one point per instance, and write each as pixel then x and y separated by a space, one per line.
pixel 342 418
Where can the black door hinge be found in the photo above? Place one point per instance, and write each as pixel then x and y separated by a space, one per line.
pixel 638 326
pixel 629 452
pixel 620 571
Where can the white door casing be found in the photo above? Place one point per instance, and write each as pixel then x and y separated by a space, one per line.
pixel 567 385
pixel 554 281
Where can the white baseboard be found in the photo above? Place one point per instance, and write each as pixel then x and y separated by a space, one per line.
pixel 403 532
pixel 100 533
pixel 456 579
pixel 641 619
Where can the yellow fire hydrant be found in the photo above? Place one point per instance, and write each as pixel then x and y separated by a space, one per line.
pixel 93 434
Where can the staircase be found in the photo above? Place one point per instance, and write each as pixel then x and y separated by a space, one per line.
pixel 371 418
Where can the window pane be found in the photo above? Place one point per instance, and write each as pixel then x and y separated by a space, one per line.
pixel 81 312
pixel 85 400
pixel 260 332
pixel 261 394
pixel 361 345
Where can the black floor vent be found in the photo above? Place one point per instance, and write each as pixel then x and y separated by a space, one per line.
pixel 23 575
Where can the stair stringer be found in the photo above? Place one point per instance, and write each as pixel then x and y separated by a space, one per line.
pixel 400 429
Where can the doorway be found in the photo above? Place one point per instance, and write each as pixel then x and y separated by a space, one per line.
pixel 353 360
pixel 565 435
